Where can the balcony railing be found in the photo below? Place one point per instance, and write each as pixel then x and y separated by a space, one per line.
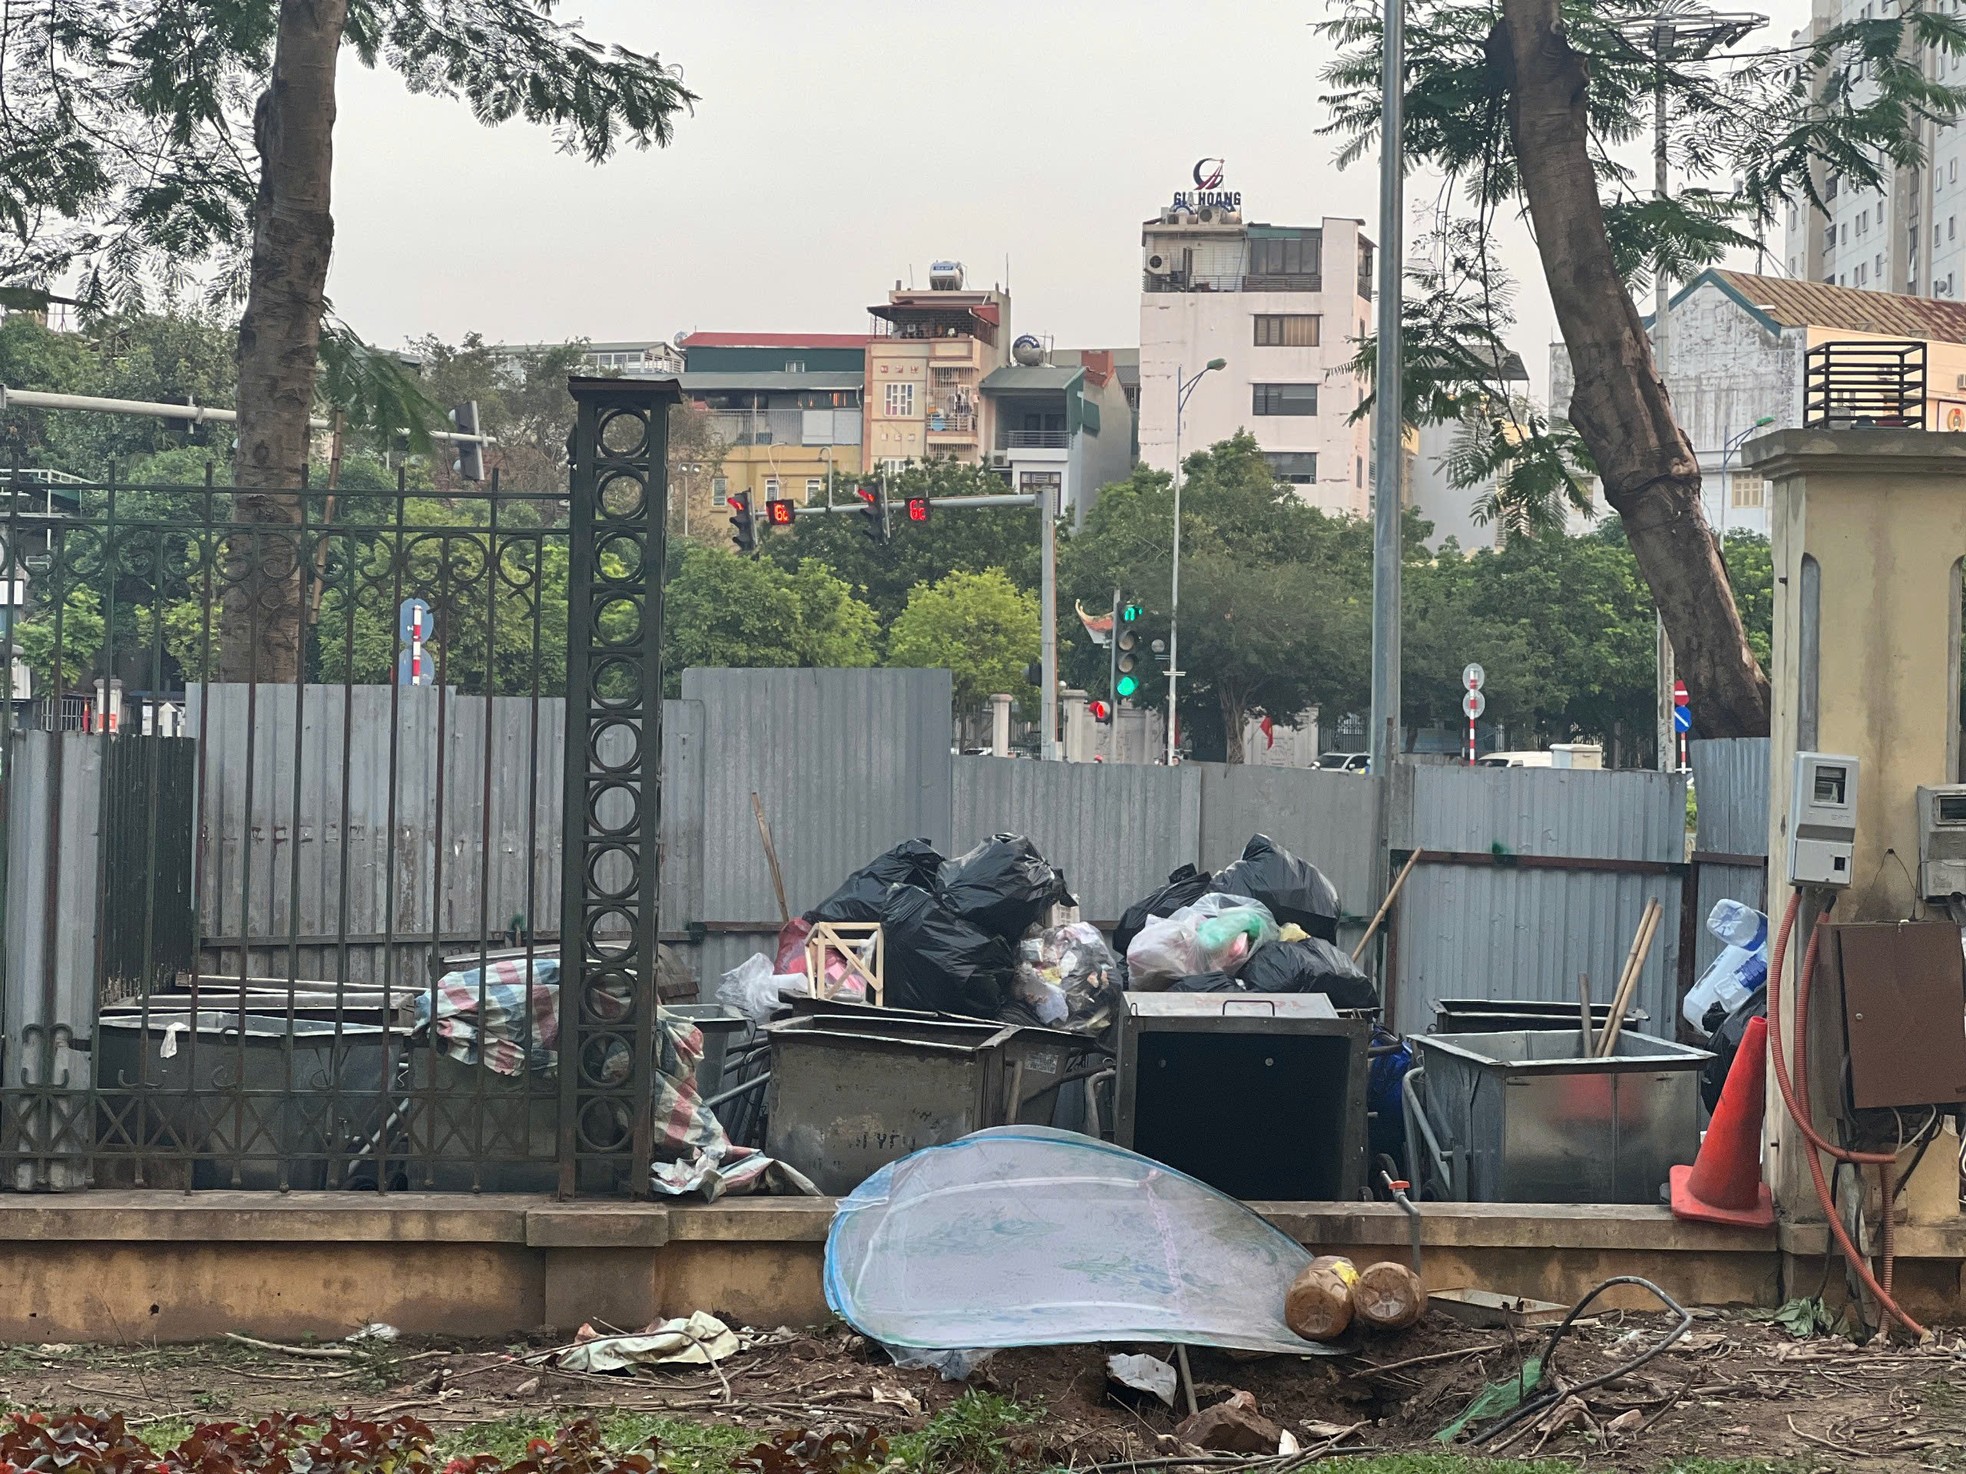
pixel 1033 439
pixel 1229 281
pixel 951 422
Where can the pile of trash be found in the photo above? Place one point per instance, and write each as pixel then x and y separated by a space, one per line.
pixel 959 936
pixel 1731 992
pixel 968 936
pixel 1266 924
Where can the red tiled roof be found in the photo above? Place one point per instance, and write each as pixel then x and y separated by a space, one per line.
pixel 775 340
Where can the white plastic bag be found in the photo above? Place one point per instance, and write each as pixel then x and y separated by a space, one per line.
pixel 1732 979
pixel 755 991
pixel 1164 951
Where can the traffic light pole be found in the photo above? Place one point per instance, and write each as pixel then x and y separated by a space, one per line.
pixel 1048 622
pixel 1113 684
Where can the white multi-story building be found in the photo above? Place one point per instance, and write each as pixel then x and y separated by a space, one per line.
pixel 1282 306
pixel 1908 236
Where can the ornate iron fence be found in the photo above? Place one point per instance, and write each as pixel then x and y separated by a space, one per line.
pixel 326 937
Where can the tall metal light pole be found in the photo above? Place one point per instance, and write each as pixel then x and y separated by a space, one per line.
pixel 1383 740
pixel 1183 387
pixel 1679 32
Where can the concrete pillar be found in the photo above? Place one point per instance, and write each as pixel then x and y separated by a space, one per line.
pixel 1000 725
pixel 1868 531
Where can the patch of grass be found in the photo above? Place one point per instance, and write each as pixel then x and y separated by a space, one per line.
pixel 687 1448
pixel 971 1433
pixel 165 1433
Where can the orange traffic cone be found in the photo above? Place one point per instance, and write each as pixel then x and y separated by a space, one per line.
pixel 1724 1184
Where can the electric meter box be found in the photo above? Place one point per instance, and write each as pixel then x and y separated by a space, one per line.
pixel 1942 841
pixel 1822 819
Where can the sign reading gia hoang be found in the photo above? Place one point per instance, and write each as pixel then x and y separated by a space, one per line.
pixel 1208 191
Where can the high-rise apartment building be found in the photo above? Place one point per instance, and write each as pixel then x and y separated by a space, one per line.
pixel 1905 237
pixel 1282 306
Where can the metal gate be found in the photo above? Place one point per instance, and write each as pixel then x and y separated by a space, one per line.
pixel 330 936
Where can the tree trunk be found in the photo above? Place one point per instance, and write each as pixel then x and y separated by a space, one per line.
pixel 279 343
pixel 1620 406
pixel 1232 717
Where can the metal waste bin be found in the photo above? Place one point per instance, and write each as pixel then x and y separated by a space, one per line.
pixel 1260 1095
pixel 271 1100
pixel 850 1093
pixel 1520 1117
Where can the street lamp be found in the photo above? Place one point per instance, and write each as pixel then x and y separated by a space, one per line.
pixel 1183 387
pixel 1733 444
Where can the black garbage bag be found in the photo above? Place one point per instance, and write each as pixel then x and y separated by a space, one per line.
pixel 1002 886
pixel 1184 887
pixel 1310 966
pixel 938 962
pixel 1207 982
pixel 1726 1042
pixel 1293 889
pixel 912 862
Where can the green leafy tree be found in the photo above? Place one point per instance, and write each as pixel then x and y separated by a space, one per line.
pixel 1532 107
pixel 981 627
pixel 122 153
pixel 723 610
pixel 953 540
pixel 1275 595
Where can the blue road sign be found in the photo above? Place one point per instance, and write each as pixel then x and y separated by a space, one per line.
pixel 413 609
pixel 1682 719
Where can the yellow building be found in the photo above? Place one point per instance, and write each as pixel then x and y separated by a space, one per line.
pixel 925 371
pixel 785 409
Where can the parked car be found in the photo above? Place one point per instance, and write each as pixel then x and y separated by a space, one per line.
pixel 1345 762
pixel 1516 760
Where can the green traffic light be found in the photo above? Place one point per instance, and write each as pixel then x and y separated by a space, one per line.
pixel 1127 685
pixel 1130 613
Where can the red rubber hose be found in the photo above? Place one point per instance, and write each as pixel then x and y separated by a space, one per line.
pixel 1883 1161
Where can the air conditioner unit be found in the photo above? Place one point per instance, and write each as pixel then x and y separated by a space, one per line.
pixel 1206 214
pixel 1962 381
pixel 1158 265
pixel 998 458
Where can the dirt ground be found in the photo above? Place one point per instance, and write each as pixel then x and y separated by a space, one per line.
pixel 1732 1388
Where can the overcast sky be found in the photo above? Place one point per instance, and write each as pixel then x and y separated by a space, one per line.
pixel 839 146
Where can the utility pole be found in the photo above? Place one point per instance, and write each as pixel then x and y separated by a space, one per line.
pixel 1384 737
pixel 1183 387
pixel 1048 621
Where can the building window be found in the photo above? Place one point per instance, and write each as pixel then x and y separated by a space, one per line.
pixel 900 401
pixel 1287 255
pixel 893 465
pixel 1283 399
pixel 720 487
pixel 1036 481
pixel 795 365
pixel 1298 467
pixel 1287 330
pixel 1748 490
pixel 815 486
pixel 771 488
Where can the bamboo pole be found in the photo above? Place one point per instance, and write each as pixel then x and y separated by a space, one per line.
pixel 1392 894
pixel 1648 928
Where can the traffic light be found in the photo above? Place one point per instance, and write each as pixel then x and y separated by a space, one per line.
pixel 1126 647
pixel 918 509
pixel 873 511
pixel 1099 711
pixel 743 525
pixel 470 462
pixel 778 512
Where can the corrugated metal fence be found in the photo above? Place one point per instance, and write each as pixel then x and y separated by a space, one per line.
pixel 1531 878
pixel 1730 778
pixel 1534 876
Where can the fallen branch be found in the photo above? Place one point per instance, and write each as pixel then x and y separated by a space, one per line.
pixel 1431 1356
pixel 321 1353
